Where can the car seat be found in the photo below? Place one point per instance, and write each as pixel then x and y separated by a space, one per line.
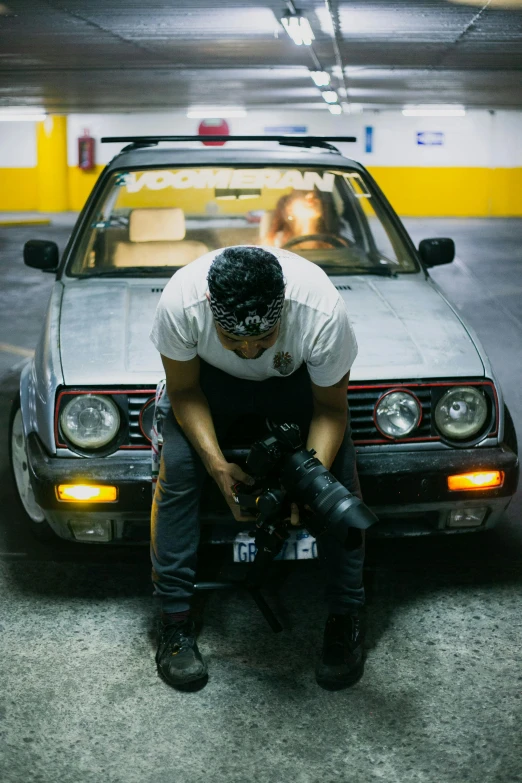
pixel 157 238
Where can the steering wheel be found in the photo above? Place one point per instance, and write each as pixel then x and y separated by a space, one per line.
pixel 332 239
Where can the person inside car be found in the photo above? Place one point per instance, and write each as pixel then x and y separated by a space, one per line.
pixel 303 214
pixel 250 330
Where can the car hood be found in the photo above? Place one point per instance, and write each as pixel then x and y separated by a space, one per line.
pixel 404 327
pixel 104 332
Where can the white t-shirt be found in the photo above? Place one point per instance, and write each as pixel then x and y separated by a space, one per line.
pixel 314 328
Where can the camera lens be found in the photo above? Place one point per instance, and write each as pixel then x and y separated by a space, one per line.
pixel 337 510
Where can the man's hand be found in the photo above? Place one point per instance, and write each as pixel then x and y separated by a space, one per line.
pixel 294 514
pixel 226 475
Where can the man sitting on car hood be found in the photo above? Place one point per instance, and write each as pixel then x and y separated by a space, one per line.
pixel 245 330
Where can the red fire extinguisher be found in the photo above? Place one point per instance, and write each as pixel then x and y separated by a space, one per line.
pixel 86 160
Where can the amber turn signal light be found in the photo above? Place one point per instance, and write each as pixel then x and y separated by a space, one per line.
pixel 480 480
pixel 87 493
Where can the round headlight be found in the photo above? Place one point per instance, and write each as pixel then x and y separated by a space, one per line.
pixel 461 413
pixel 397 413
pixel 90 421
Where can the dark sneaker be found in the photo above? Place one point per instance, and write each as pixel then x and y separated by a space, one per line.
pixel 342 658
pixel 178 659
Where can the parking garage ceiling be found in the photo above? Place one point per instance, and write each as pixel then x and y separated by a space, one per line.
pixel 142 55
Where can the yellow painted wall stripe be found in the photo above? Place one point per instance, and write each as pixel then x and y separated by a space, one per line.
pixel 435 191
pixel 452 192
pixel 18 190
pixel 505 192
pixel 80 185
pixel 414 192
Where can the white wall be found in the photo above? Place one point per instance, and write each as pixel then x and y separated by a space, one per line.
pixel 17 145
pixel 478 139
pixel 506 141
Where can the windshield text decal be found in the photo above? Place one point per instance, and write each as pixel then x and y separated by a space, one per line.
pixel 229 179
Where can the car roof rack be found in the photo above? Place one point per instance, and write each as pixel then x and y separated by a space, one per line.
pixel 137 142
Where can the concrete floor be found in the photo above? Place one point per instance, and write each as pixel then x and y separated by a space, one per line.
pixel 441 698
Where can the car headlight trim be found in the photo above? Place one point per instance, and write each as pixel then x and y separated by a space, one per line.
pixel 461 412
pixel 146 419
pixel 90 421
pixel 397 413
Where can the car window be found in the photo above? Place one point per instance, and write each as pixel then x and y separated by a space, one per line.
pixel 147 220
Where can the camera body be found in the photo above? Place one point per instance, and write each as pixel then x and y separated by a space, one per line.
pixel 286 472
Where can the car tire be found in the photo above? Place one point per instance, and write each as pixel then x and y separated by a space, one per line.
pixel 34 515
pixel 510 434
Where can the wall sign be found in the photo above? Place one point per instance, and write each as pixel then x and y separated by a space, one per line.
pixel 213 127
pixel 368 138
pixel 430 138
pixel 277 130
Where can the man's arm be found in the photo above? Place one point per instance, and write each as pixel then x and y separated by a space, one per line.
pixel 329 420
pixel 191 409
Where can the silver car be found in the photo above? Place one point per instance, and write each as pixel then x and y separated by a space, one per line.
pixel 436 446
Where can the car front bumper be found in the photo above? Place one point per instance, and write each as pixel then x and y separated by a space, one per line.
pixel 407 490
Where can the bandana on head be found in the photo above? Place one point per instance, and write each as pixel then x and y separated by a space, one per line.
pixel 253 323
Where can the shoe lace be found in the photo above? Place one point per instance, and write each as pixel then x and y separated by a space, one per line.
pixel 177 638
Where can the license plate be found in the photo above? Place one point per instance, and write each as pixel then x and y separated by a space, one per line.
pixel 298 546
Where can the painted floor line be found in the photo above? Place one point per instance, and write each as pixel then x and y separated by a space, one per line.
pixel 22 222
pixel 6 348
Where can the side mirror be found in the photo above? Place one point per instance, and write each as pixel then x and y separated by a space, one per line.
pixel 41 254
pixel 437 251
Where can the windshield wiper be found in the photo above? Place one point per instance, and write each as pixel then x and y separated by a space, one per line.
pixel 386 270
pixel 380 269
pixel 159 271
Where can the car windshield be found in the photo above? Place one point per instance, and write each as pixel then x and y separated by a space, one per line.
pixel 152 221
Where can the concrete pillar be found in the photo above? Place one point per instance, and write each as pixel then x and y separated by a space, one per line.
pixel 51 145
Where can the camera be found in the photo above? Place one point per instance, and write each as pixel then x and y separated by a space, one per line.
pixel 285 472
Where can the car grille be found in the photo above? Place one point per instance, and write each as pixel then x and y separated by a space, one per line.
pixel 136 402
pixel 361 400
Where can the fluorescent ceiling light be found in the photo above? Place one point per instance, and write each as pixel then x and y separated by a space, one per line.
pixel 298 28
pixel 217 113
pixel 336 109
pixel 330 96
pixel 434 111
pixel 22 117
pixel 321 78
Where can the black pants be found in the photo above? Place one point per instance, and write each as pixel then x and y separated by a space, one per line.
pixel 175 508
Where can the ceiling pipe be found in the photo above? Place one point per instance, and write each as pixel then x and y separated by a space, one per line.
pixel 317 65
pixel 334 18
